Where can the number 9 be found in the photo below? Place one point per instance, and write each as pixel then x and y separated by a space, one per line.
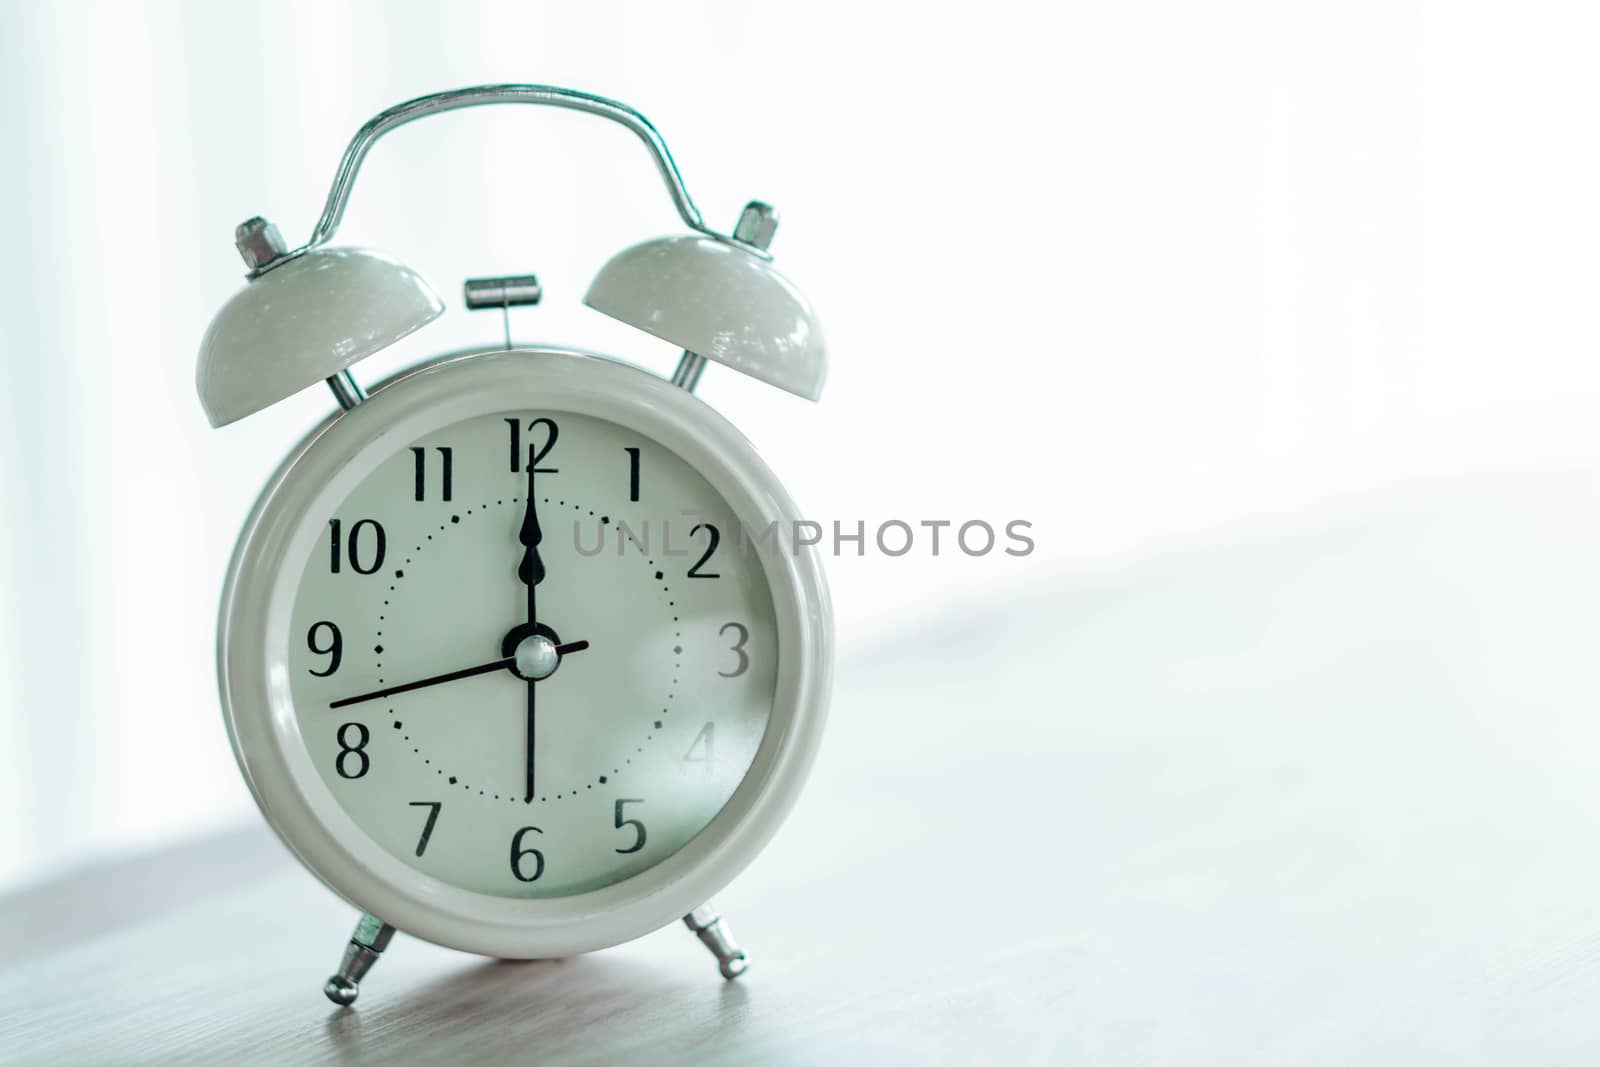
pixel 335 649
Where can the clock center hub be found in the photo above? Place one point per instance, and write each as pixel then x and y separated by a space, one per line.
pixel 536 657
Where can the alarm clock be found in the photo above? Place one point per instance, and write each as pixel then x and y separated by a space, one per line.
pixel 517 650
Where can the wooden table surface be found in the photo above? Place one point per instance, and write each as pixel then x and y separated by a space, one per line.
pixel 1329 798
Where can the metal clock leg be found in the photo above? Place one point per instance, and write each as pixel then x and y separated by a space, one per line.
pixel 714 934
pixel 366 945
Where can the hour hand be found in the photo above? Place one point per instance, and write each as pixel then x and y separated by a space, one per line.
pixel 531 569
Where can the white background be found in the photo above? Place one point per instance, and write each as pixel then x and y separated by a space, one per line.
pixel 1148 275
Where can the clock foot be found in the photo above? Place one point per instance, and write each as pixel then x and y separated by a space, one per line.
pixel 714 934
pixel 371 937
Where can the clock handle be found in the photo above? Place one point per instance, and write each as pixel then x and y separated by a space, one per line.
pixel 478 96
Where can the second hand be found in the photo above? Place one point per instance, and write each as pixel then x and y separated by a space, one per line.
pixel 466 672
pixel 531 572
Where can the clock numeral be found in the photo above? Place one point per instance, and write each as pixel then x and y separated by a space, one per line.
pixel 706 741
pixel 419 463
pixel 633 473
pixel 518 854
pixel 716 539
pixel 427 827
pixel 334 651
pixel 638 827
pixel 358 750
pixel 737 649
pixel 535 454
pixel 337 549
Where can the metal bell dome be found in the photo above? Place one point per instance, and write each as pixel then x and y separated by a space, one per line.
pixel 303 318
pixel 721 299
pixel 310 314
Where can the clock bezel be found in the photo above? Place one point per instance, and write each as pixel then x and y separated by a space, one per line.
pixel 252 651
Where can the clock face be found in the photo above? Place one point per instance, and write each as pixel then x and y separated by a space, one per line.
pixel 533 653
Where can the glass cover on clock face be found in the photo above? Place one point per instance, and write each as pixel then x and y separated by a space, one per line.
pixel 533 653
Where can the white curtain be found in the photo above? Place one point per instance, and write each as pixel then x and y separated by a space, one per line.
pixel 1142 274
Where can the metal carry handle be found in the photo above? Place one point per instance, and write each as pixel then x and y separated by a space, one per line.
pixel 478 96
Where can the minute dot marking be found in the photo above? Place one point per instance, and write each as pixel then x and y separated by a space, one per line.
pixel 677 650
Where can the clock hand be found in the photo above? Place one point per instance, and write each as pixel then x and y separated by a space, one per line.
pixel 531 572
pixel 482 668
pixel 469 672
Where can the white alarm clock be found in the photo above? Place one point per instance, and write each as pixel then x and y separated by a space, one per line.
pixel 517 652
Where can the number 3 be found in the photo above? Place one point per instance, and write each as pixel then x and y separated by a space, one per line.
pixel 738 649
